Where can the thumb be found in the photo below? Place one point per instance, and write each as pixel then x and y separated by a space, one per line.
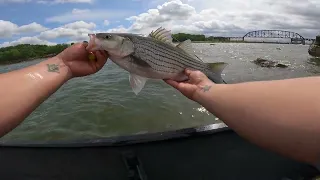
pixel 188 72
pixel 195 77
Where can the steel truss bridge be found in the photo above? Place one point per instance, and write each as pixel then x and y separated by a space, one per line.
pixel 295 37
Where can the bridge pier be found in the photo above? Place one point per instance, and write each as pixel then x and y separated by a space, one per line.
pixel 298 41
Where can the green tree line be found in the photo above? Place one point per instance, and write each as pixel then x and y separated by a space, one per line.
pixel 180 37
pixel 23 52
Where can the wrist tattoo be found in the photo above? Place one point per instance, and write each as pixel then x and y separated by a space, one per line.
pixel 206 88
pixel 53 68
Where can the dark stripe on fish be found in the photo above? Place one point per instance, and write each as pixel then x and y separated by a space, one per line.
pixel 154 60
pixel 163 60
pixel 186 58
pixel 139 61
pixel 177 59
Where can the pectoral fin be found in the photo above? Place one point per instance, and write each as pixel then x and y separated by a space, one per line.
pixel 137 83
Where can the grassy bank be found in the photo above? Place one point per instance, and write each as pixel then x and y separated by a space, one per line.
pixel 27 52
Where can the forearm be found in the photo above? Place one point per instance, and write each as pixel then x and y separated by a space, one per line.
pixel 24 90
pixel 283 116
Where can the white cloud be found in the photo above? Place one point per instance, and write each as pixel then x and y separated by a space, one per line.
pixel 33 27
pixel 178 17
pixel 176 9
pixel 7 28
pixel 88 15
pixel 229 17
pixel 219 18
pixel 106 22
pixel 47 1
pixel 75 31
pixel 80 24
pixel 119 29
pixel 26 40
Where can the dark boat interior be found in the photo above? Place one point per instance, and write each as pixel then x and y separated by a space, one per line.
pixel 204 153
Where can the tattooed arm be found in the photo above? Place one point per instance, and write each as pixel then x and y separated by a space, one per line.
pixel 22 91
pixel 282 116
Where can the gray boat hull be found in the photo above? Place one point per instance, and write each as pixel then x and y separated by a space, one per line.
pixel 209 152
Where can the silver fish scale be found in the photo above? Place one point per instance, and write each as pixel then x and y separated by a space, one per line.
pixel 163 57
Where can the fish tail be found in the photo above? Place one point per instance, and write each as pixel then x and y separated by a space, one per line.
pixel 215 71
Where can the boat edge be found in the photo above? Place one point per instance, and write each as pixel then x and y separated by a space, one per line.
pixel 124 140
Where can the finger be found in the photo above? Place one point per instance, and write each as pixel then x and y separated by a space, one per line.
pixel 183 86
pixel 188 72
pixel 83 46
pixel 172 83
pixel 101 60
pixel 104 53
pixel 180 86
pixel 196 77
pixel 80 45
pixel 189 81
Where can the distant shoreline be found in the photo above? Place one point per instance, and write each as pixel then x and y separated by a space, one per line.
pixel 27 52
pixel 25 60
pixel 246 42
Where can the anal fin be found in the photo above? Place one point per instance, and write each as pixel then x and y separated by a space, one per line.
pixel 137 82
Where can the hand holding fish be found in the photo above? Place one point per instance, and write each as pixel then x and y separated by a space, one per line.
pixel 197 82
pixel 76 58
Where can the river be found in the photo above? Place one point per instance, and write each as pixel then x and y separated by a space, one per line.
pixel 103 104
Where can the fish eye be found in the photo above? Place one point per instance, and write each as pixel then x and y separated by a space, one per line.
pixel 108 36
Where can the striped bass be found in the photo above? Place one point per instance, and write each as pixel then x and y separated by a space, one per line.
pixel 153 57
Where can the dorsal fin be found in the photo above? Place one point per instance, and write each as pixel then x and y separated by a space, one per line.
pixel 187 47
pixel 162 34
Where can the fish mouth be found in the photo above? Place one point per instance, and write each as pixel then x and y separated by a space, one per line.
pixel 93 45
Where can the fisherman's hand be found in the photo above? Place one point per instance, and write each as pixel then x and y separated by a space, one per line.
pixel 76 58
pixel 197 82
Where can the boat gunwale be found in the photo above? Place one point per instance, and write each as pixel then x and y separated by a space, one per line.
pixel 114 141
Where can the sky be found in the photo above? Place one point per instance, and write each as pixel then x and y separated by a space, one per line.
pixel 64 21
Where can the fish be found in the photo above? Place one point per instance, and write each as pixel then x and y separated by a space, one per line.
pixel 154 56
